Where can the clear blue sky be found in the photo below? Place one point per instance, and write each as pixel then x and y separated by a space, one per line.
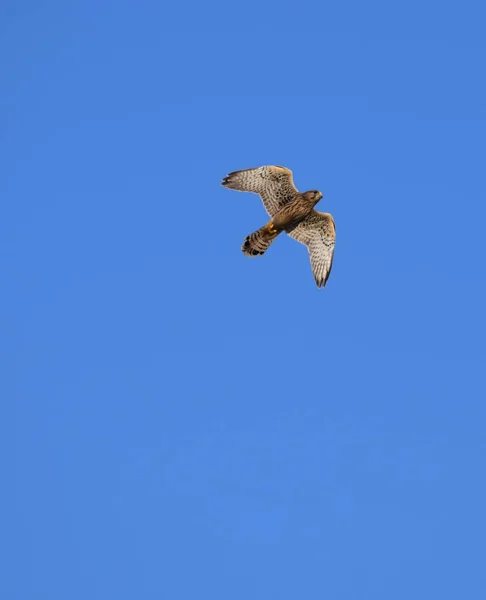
pixel 182 422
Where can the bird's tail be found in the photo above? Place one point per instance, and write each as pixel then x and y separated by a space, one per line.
pixel 258 242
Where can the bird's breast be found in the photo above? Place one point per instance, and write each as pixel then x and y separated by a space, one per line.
pixel 291 214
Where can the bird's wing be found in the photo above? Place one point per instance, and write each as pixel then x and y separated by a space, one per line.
pixel 318 233
pixel 274 185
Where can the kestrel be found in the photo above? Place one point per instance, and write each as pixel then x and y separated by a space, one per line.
pixel 290 211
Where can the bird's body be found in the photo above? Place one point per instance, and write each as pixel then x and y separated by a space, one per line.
pixel 290 211
pixel 295 210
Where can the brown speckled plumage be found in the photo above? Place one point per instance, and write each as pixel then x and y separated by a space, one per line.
pixel 290 211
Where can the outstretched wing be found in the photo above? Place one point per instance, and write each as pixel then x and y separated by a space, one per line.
pixel 274 185
pixel 318 233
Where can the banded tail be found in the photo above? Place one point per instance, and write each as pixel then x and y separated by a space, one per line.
pixel 258 242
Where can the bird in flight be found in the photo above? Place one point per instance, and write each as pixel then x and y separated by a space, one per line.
pixel 290 211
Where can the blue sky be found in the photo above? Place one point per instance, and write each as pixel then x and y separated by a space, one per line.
pixel 183 422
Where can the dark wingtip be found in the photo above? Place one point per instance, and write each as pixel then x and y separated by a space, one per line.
pixel 226 182
pixel 322 282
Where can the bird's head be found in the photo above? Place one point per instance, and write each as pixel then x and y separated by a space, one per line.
pixel 314 196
